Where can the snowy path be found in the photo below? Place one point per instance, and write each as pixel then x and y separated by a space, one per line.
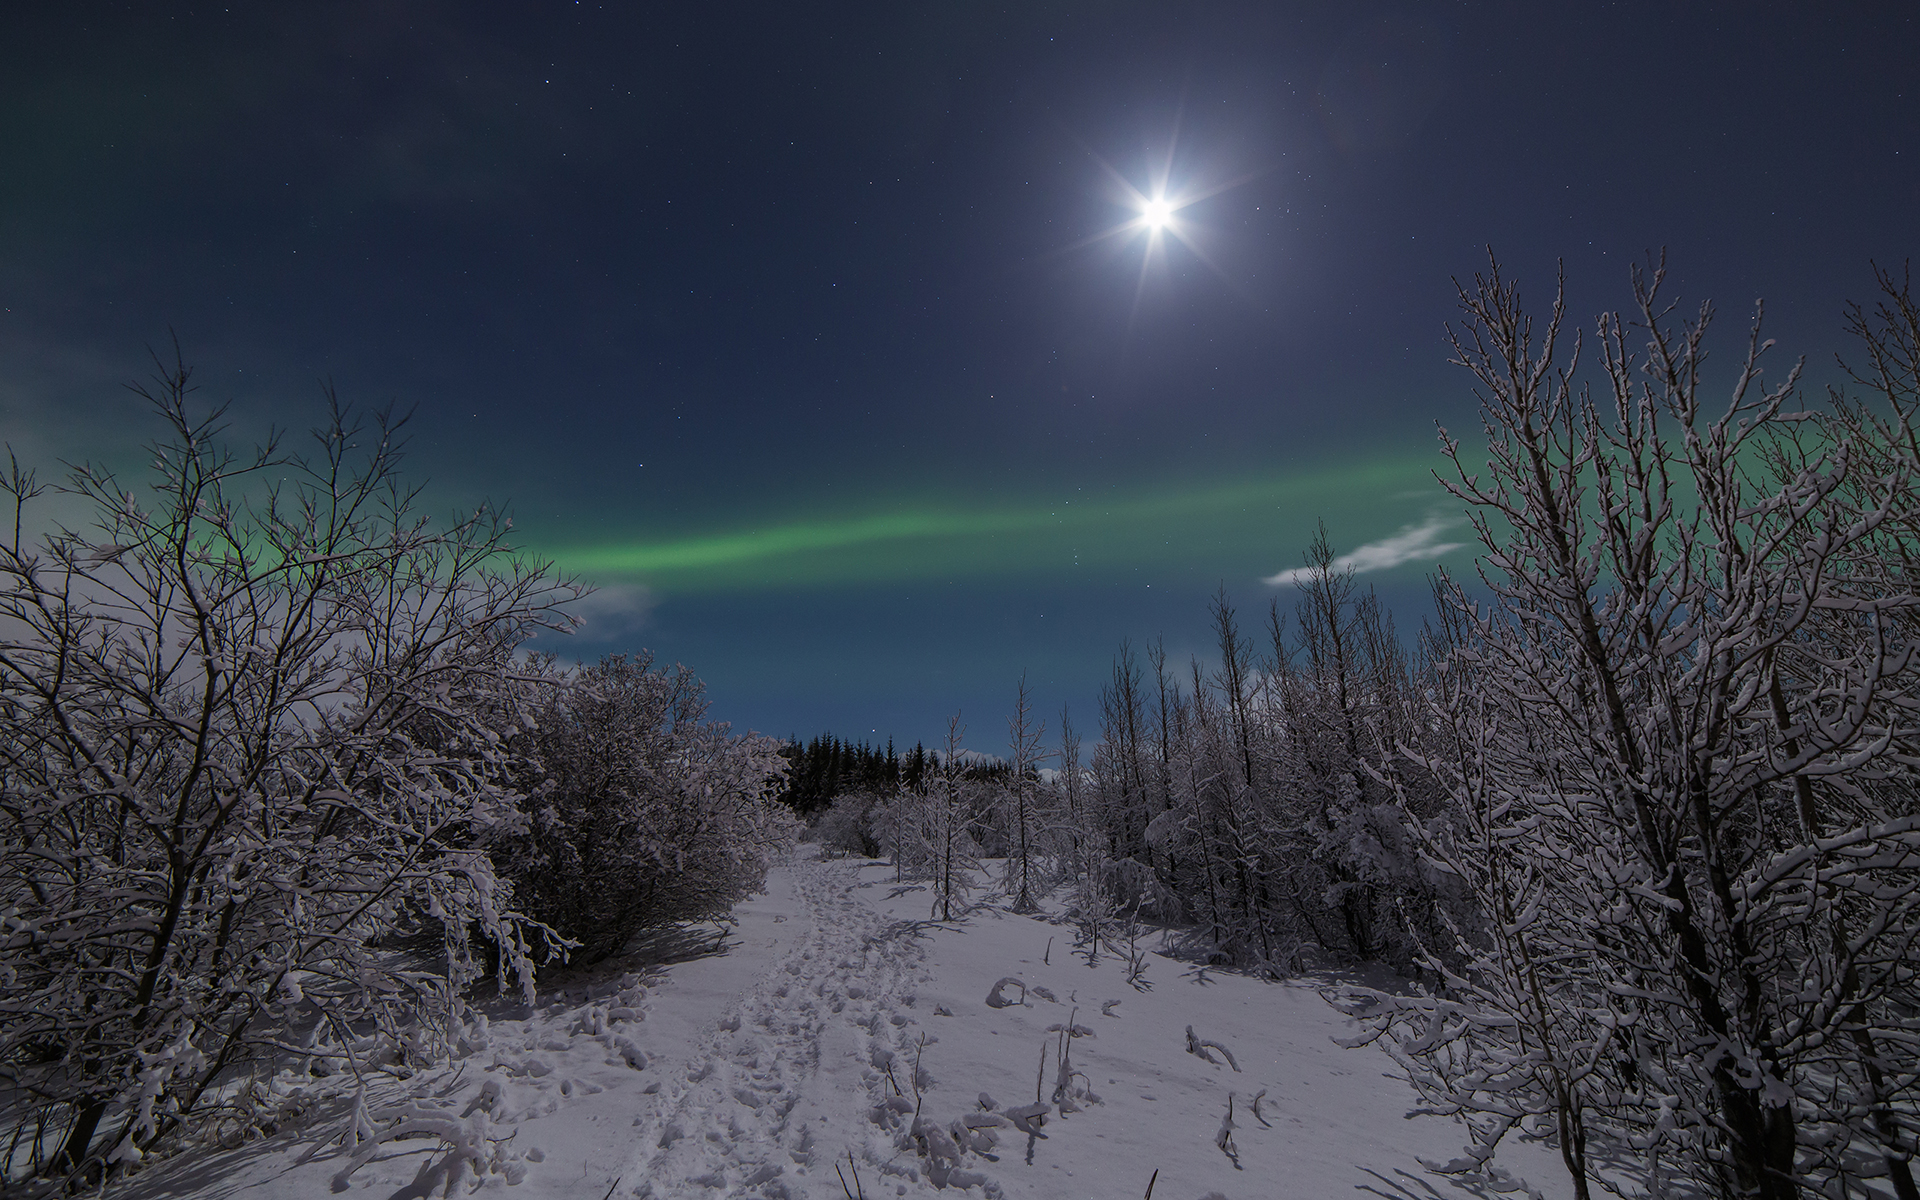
pixel 783 1061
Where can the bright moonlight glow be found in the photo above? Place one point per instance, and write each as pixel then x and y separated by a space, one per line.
pixel 1157 214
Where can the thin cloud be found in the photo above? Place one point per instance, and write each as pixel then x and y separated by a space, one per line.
pixel 1414 543
pixel 613 610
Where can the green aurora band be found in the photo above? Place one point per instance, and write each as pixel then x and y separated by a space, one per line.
pixel 1218 530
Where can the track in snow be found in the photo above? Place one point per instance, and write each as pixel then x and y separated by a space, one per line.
pixel 769 1100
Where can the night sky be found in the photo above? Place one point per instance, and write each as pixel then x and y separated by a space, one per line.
pixel 829 340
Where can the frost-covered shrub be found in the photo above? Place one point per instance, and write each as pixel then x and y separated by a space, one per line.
pixel 641 812
pixel 848 826
pixel 246 737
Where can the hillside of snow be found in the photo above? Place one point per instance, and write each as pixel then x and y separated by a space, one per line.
pixel 843 1045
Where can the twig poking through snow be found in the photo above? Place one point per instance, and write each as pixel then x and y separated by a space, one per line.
pixel 917 1052
pixel 857 1191
pixel 1150 1181
pixel 1028 1118
pixel 472 1150
pixel 1063 1081
pixel 1224 1138
pixel 1256 1107
pixel 1199 1046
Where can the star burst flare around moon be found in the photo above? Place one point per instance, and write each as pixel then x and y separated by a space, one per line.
pixel 1156 220
pixel 1156 214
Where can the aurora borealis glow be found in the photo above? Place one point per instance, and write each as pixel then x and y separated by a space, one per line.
pixel 1198 527
pixel 839 347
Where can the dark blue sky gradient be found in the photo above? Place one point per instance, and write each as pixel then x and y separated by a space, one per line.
pixel 816 264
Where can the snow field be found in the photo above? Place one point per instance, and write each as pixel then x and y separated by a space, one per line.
pixel 784 1069
pixel 1333 1121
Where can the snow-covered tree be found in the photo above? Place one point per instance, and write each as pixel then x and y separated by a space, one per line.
pixel 1249 795
pixel 950 823
pixel 1119 765
pixel 1679 740
pixel 931 829
pixel 249 733
pixel 640 811
pixel 1340 701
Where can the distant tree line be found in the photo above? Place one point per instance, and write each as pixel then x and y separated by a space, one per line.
pixel 824 767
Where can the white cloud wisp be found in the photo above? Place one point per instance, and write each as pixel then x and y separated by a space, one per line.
pixel 1413 543
pixel 613 610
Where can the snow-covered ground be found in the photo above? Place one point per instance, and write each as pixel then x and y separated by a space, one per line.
pixel 785 1067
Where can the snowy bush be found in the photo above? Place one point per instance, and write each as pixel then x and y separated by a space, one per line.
pixel 247 738
pixel 850 825
pixel 643 812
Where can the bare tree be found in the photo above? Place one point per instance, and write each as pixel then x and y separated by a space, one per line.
pixel 951 825
pixel 1072 789
pixel 1117 758
pixel 250 726
pixel 1024 736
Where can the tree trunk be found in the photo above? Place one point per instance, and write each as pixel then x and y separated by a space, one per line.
pixel 73 1152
